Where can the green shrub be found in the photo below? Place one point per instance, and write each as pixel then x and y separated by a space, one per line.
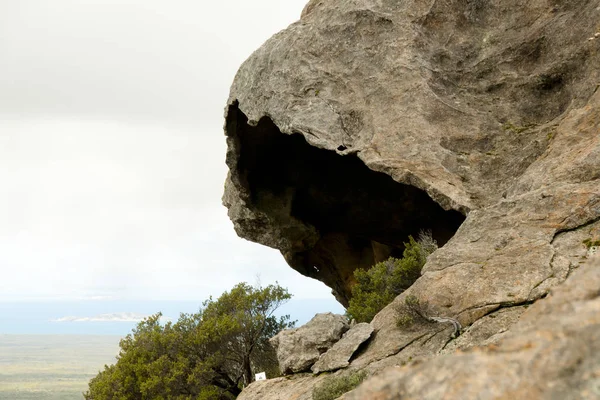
pixel 410 312
pixel 209 355
pixel 335 386
pixel 377 287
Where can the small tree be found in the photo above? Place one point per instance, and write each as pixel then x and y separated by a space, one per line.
pixel 208 355
pixel 378 286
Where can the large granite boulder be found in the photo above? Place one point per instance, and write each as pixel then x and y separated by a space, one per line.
pixel 369 120
pixel 299 348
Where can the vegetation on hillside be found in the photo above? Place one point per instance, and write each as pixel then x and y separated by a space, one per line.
pixel 411 311
pixel 335 386
pixel 378 286
pixel 208 355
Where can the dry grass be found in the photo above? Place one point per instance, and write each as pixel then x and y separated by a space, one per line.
pixel 52 367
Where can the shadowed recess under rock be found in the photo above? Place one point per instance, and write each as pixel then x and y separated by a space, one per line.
pixel 361 216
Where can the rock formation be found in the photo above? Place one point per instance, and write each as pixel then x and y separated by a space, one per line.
pixel 299 348
pixel 552 353
pixel 340 353
pixel 369 120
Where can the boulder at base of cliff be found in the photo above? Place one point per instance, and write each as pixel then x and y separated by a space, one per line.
pixel 339 355
pixel 298 349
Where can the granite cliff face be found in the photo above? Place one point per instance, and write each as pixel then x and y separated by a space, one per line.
pixel 369 120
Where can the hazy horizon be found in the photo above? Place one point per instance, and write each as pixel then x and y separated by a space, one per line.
pixel 120 317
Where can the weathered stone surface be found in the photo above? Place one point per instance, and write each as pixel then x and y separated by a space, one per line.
pixel 368 120
pixel 552 353
pixel 485 109
pixel 298 349
pixel 339 355
pixel 487 330
pixel 294 387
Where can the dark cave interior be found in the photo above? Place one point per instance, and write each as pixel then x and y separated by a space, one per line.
pixel 362 216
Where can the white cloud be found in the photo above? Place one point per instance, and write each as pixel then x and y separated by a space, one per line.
pixel 114 317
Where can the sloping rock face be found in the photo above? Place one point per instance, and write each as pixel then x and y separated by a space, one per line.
pixel 369 120
pixel 299 348
pixel 552 353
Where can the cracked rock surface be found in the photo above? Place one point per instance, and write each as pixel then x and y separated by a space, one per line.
pixel 368 120
pixel 551 353
pixel 299 348
pixel 339 355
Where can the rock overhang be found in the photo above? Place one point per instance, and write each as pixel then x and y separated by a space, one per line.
pixel 325 210
pixel 468 118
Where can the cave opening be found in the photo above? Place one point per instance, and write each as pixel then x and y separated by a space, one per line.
pixel 361 216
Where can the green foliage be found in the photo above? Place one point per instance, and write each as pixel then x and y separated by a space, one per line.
pixel 377 287
pixel 412 301
pixel 589 243
pixel 404 320
pixel 411 311
pixel 335 386
pixel 208 355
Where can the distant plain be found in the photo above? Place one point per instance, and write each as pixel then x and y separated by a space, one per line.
pixel 52 367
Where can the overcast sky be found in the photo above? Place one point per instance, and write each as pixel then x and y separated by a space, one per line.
pixel 112 149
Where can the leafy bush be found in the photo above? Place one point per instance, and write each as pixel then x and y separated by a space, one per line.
pixel 377 287
pixel 208 355
pixel 335 386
